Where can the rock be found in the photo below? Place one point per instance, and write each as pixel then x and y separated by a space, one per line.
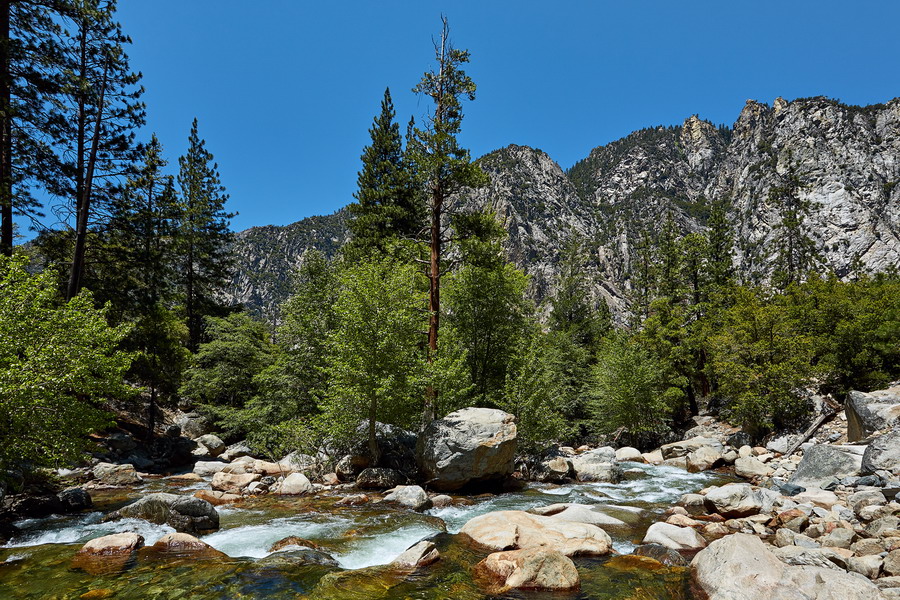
pixel 598 464
pixel 418 555
pixel 891 564
pixel 111 474
pixel 867 566
pixel 661 554
pixel 530 569
pixel 108 554
pixel 579 513
pixel 792 519
pixel 378 478
pixel 817 497
pixel 265 467
pixel 653 458
pixel 695 504
pixel 784 537
pixel 353 500
pixel 217 498
pixel 409 496
pixel 867 546
pixel 822 464
pixel 74 500
pixel 739 567
pixel 208 468
pixel 292 541
pixel 780 444
pixel 629 454
pixel 237 450
pixel 185 513
pixel 868 413
pixel 704 458
pixel 294 485
pixel 193 425
pixel 121 442
pixel 184 544
pixel 231 483
pixel 554 470
pixel 798 556
pixel 789 489
pixel 441 501
pixel 840 537
pixel 685 447
pixel 349 466
pixel 512 529
pixel 737 500
pixel 883 453
pixel 472 445
pixel 859 500
pixel 676 538
pixel 290 559
pixel 751 468
pixel 331 479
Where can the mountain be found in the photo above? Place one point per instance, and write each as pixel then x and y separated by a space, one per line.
pixel 846 157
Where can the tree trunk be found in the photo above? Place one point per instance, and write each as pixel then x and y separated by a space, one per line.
pixel 81 224
pixel 6 198
pixel 151 420
pixel 374 451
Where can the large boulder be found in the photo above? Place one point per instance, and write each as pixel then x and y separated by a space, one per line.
pixel 685 447
pixel 749 467
pixel 822 464
pixel 530 569
pixel 579 513
pixel 472 445
pixel 108 554
pixel 409 496
pixel 74 500
pixel 883 454
pixel 871 412
pixel 514 529
pixel 379 478
pixel 737 500
pixel 674 537
pixel 598 464
pixel 185 513
pixel 184 544
pixel 208 468
pixel 739 567
pixel 294 485
pixel 704 458
pixel 111 474
pixel 232 483
pixel 194 425
pixel 213 444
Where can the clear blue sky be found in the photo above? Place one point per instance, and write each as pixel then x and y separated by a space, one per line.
pixel 285 91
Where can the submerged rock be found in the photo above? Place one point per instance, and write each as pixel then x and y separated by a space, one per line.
pixel 661 554
pixel 418 555
pixel 472 445
pixel 529 569
pixel 108 554
pixel 298 557
pixel 292 540
pixel 185 513
pixel 512 529
pixel 184 544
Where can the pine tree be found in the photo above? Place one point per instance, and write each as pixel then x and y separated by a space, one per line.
pixel 386 208
pixel 444 168
pixel 796 254
pixel 102 100
pixel 203 235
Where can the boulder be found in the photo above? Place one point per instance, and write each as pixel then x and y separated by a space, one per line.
pixel 108 554
pixel 554 470
pixel 822 464
pixel 868 413
pixel 737 500
pixel 629 454
pixel 472 445
pixel 739 567
pixel 184 544
pixel 409 496
pixel 213 444
pixel 751 468
pixel 817 497
pixel 378 478
pixel 231 483
pixel 867 566
pixel 661 554
pixel 513 529
pixel 673 537
pixel 798 556
pixel 883 453
pixel 859 500
pixel 111 474
pixel 290 559
pixel 598 464
pixel 685 447
pixel 193 425
pixel 74 500
pixel 217 498
pixel 891 565
pixel 418 555
pixel 294 485
pixel 208 468
pixel 119 441
pixel 529 569
pixel 185 513
pixel 292 541
pixel 704 458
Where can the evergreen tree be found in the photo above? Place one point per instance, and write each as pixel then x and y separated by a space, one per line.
pixel 102 100
pixel 796 254
pixel 387 206
pixel 203 236
pixel 444 168
pixel 571 309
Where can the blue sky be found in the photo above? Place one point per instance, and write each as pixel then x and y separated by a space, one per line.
pixel 285 91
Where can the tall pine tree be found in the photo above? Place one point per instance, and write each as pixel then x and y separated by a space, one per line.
pixel 386 207
pixel 203 235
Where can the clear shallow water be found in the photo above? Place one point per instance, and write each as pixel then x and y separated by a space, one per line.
pixel 37 563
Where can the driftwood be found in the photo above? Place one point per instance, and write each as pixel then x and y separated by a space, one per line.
pixel 812 429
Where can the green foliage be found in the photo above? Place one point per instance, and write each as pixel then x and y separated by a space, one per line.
pixel 223 374
pixel 57 363
pixel 762 361
pixel 374 358
pixel 571 309
pixel 630 391
pixel 796 255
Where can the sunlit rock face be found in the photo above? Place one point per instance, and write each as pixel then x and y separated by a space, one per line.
pixel 619 197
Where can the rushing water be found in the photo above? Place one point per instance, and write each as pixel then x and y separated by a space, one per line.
pixel 37 564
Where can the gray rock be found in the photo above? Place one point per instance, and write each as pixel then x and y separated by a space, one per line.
pixel 193 425
pixel 409 496
pixel 418 555
pixel 883 453
pixel 674 537
pixel 660 553
pixel 289 559
pixel 472 445
pixel 213 444
pixel 75 499
pixel 737 500
pixel 378 478
pixel 685 447
pixel 822 464
pixel 116 474
pixel 598 464
pixel 294 485
pixel 208 468
pixel 554 470
pixel 868 413
pixel 187 514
